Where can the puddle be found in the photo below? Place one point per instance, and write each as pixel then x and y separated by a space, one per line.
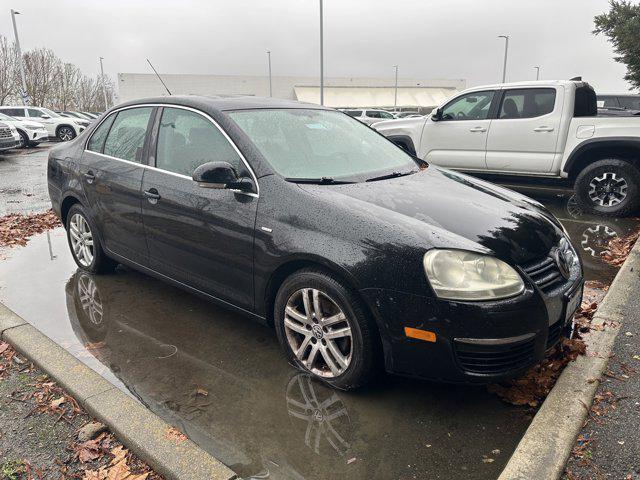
pixel 222 379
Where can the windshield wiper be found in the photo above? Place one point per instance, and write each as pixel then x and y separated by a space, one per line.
pixel 391 175
pixel 318 181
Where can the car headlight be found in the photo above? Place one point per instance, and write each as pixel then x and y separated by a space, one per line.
pixel 462 275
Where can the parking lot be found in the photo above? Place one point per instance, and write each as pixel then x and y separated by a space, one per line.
pixel 223 380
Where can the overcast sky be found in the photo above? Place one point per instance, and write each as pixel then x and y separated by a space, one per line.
pixel 426 38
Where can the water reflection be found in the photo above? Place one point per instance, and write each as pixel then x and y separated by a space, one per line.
pixel 223 380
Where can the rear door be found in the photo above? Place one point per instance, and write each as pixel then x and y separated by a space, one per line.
pixel 524 136
pixel 111 170
pixel 202 237
pixel 459 139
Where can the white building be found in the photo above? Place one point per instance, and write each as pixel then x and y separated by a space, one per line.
pixel 338 92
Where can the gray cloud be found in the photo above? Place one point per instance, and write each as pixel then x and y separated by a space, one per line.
pixel 427 38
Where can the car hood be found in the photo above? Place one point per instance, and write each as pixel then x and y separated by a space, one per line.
pixel 498 221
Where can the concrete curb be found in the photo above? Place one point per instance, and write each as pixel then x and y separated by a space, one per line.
pixel 546 445
pixel 142 431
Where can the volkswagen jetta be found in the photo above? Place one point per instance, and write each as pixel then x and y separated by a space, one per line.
pixel 359 255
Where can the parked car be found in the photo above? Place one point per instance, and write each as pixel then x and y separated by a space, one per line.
pixel 62 128
pixel 548 129
pixel 369 116
pixel 91 115
pixel 623 101
pixel 9 137
pixel 302 218
pixel 31 133
pixel 79 118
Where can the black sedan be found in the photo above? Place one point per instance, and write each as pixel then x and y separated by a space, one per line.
pixel 359 255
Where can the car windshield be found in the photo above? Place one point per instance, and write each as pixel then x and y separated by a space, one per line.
pixel 51 113
pixel 6 117
pixel 321 144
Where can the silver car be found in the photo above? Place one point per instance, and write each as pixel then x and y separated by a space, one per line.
pixel 369 116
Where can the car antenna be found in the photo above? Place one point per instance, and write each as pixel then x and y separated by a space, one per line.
pixel 159 77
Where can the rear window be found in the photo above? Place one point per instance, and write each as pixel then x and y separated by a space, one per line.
pixel 586 102
pixel 631 103
pixel 527 102
pixel 13 112
pixel 353 113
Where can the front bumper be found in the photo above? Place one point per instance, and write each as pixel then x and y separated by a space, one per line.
pixel 37 135
pixel 8 143
pixel 476 342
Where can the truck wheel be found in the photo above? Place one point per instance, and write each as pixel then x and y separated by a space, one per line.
pixel 608 187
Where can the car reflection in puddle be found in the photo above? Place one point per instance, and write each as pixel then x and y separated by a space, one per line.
pixel 223 380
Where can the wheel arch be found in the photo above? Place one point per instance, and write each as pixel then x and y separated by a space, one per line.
pixel 67 202
pixel 620 148
pixel 405 142
pixel 295 264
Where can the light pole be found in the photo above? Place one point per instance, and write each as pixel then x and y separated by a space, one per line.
pixel 506 51
pixel 104 88
pixel 321 56
pixel 24 95
pixel 395 95
pixel 270 84
pixel 537 73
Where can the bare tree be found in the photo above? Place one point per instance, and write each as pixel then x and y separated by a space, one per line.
pixel 41 66
pixel 7 70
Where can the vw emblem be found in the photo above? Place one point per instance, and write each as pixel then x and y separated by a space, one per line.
pixel 317 331
pixel 561 260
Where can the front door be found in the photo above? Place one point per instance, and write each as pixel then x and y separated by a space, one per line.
pixel 524 136
pixel 459 139
pixel 202 237
pixel 111 172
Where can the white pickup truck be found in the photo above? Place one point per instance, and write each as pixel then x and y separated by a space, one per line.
pixel 541 128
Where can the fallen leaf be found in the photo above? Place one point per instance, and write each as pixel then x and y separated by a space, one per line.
pixel 201 391
pixel 55 404
pixel 3 346
pixel 351 460
pixel 89 450
pixel 174 434
pixel 119 453
pixel 487 460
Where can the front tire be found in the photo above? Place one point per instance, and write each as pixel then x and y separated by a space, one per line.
pixel 65 133
pixel 84 243
pixel 24 140
pixel 325 330
pixel 608 187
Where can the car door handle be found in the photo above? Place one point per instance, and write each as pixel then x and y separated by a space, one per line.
pixel 152 195
pixel 478 129
pixel 543 129
pixel 89 176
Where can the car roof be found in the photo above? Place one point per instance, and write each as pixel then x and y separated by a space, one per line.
pixel 224 103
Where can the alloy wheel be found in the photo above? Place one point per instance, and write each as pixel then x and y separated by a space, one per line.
pixel 65 134
pixel 81 240
pixel 90 299
pixel 318 332
pixel 608 190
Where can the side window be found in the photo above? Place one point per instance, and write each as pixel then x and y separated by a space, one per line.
pixel 373 114
pixel 472 106
pixel 353 113
pixel 96 142
pixel 631 103
pixel 34 112
pixel 386 115
pixel 608 102
pixel 13 112
pixel 186 140
pixel 126 137
pixel 527 102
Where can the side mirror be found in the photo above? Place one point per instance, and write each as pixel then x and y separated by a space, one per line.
pixel 219 175
pixel 46 117
pixel 436 114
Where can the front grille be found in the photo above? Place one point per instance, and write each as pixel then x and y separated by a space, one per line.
pixel 494 359
pixel 555 332
pixel 544 273
pixel 5 133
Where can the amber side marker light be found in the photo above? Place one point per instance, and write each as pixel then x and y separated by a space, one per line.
pixel 420 334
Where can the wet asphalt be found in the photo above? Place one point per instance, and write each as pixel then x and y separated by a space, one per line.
pixel 222 379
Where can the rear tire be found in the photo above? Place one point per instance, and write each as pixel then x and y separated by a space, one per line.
pixel 333 322
pixel 608 187
pixel 84 242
